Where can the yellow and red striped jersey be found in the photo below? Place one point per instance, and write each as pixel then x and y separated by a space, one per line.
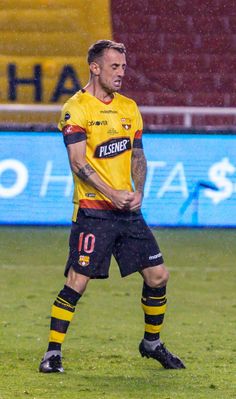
pixel 111 130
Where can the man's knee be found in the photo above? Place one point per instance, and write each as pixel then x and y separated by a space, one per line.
pixel 156 276
pixel 76 281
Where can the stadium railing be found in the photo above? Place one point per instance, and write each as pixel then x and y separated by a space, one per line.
pixel 187 113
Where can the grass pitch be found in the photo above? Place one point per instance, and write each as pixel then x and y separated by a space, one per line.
pixel 100 352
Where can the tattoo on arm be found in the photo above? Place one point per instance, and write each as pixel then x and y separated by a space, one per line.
pixel 85 172
pixel 139 169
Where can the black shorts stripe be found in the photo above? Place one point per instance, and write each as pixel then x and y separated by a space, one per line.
pixel 108 214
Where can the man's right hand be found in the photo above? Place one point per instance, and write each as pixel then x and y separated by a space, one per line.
pixel 122 198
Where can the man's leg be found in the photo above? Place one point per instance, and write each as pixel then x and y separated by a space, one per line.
pixel 62 314
pixel 154 303
pixel 154 307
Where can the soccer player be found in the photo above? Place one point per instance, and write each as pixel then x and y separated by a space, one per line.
pixel 102 132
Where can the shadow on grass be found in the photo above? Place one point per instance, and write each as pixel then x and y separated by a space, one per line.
pixel 151 381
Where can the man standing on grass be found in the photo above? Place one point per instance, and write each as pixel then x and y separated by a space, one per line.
pixel 102 132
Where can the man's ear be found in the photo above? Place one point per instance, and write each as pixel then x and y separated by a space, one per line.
pixel 95 68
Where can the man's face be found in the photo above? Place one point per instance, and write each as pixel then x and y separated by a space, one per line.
pixel 112 69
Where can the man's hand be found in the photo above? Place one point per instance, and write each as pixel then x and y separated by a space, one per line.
pixel 122 199
pixel 136 202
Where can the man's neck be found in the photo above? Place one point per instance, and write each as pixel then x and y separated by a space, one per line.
pixel 98 92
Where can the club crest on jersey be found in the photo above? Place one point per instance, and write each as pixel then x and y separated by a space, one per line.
pixel 126 123
pixel 84 260
pixel 113 147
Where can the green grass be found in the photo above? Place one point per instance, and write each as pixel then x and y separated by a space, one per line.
pixel 100 353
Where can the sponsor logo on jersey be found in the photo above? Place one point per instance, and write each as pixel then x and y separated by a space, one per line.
pixel 97 123
pixel 84 260
pixel 126 123
pixel 112 131
pixel 67 116
pixel 108 111
pixel 90 195
pixel 68 130
pixel 113 147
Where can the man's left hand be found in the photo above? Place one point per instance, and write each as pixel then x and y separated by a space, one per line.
pixel 136 203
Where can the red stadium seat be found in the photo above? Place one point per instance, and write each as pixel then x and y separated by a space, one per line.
pixel 218 44
pixel 180 53
pixel 208 99
pixel 210 24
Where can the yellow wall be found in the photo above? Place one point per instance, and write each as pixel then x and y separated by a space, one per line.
pixel 50 34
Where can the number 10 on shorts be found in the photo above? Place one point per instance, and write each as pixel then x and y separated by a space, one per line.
pixel 86 242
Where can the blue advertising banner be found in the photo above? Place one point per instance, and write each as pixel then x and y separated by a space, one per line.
pixel 191 179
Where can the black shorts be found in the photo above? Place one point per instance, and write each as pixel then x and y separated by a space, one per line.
pixel 93 241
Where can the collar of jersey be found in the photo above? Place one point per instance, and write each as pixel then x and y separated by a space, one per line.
pixel 104 102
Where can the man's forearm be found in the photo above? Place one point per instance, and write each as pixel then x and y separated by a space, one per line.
pixel 119 198
pixel 81 168
pixel 85 172
pixel 88 174
pixel 139 169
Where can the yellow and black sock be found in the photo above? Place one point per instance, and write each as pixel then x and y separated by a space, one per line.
pixel 62 313
pixel 154 307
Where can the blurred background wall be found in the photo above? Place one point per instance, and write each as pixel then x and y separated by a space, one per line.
pixel 180 53
pixel 181 71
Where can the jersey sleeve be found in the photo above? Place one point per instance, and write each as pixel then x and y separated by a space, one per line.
pixel 72 123
pixel 139 130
